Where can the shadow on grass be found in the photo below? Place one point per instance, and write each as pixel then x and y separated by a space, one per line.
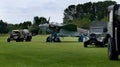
pixel 115 60
pixel 65 42
pixel 98 46
pixel 93 46
pixel 70 42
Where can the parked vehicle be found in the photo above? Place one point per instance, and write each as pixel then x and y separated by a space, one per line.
pixel 113 35
pixel 95 39
pixel 96 35
pixel 19 35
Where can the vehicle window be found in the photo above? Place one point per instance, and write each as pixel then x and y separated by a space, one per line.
pixel 15 32
pixel 117 12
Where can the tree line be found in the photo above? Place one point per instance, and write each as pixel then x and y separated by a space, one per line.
pixel 83 14
pixel 33 27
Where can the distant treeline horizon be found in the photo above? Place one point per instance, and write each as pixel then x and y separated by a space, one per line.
pixel 80 15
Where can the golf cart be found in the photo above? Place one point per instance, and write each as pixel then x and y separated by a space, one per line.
pixel 19 35
pixel 96 35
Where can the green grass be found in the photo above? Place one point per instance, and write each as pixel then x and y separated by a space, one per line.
pixel 38 53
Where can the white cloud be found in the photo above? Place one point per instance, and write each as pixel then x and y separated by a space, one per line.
pixel 16 11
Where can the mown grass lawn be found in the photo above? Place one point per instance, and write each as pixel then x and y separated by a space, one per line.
pixel 38 53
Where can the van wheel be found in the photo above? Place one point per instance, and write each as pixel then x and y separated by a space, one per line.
pixel 112 53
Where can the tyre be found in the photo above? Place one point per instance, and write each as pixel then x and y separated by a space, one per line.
pixel 112 53
pixel 28 38
pixel 85 44
pixel 97 44
pixel 8 40
pixel 21 39
pixel 102 44
pixel 48 39
pixel 18 40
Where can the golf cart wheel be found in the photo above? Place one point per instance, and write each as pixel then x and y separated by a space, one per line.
pixel 48 39
pixel 28 39
pixel 85 44
pixel 8 40
pixel 112 53
pixel 17 40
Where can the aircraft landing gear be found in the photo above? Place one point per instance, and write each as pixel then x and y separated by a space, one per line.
pixel 53 38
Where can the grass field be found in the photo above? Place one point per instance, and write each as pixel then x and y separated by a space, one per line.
pixel 38 53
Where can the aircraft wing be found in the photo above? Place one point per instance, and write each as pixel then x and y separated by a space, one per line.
pixel 68 30
pixel 67 33
pixel 63 30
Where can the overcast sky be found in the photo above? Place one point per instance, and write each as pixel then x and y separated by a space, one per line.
pixel 16 11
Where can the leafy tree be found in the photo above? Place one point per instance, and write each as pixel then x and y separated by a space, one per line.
pixel 82 23
pixel 42 20
pixel 3 27
pixel 25 25
pixel 11 27
pixel 70 13
pixel 36 22
pixel 39 20
pixel 34 29
pixel 87 11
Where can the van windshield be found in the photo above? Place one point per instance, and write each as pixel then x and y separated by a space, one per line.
pixel 15 32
